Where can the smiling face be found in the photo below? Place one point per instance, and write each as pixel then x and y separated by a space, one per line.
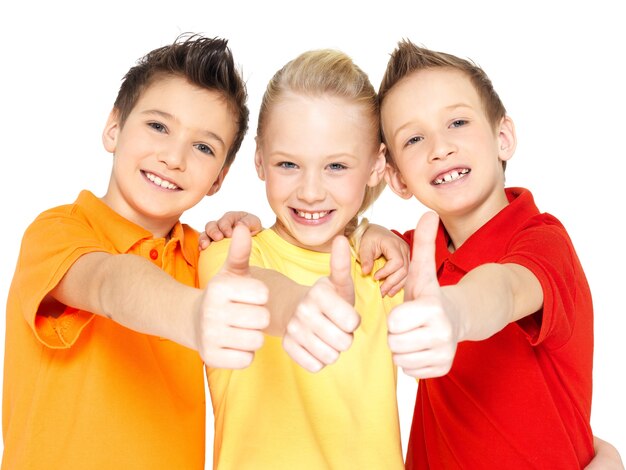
pixel 447 153
pixel 317 155
pixel 168 154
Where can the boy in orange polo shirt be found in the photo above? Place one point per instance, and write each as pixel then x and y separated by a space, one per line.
pixel 106 330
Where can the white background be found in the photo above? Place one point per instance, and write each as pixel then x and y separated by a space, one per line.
pixel 557 66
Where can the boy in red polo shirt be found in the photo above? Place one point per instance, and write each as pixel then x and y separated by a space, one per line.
pixel 106 330
pixel 498 320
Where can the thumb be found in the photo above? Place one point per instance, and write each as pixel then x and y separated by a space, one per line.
pixel 340 269
pixel 422 278
pixel 238 259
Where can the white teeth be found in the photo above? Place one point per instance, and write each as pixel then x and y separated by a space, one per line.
pixel 452 176
pixel 312 215
pixel 160 182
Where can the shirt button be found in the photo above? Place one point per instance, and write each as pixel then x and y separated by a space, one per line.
pixel 154 254
pixel 450 266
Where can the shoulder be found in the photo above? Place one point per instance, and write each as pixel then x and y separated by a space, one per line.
pixel 544 233
pixel 212 258
pixel 66 222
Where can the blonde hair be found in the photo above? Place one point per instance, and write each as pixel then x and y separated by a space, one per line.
pixel 326 72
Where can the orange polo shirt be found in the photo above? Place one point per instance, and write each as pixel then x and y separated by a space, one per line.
pixel 81 391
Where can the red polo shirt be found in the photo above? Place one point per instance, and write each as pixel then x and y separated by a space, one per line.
pixel 522 398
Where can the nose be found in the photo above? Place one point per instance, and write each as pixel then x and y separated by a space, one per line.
pixel 311 187
pixel 441 148
pixel 174 156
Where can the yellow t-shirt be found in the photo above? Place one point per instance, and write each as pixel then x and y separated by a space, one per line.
pixel 276 415
pixel 81 391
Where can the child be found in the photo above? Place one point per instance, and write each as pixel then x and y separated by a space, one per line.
pixel 318 150
pixel 514 300
pixel 106 331
pixel 456 411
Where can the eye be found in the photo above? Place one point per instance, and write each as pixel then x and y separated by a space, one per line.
pixel 157 126
pixel 458 123
pixel 204 148
pixel 337 166
pixel 287 165
pixel 414 140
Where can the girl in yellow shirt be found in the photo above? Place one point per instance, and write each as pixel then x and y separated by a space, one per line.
pixel 319 152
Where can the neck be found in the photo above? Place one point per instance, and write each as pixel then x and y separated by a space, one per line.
pixel 461 227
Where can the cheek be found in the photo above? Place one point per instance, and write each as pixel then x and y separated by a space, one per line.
pixel 276 188
pixel 204 173
pixel 351 190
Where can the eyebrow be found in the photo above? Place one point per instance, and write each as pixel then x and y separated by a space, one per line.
pixel 281 154
pixel 164 114
pixel 458 105
pixel 450 107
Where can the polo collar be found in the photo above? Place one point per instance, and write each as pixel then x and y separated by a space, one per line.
pixel 489 242
pixel 123 233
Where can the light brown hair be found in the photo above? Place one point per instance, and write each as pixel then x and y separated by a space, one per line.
pixel 408 58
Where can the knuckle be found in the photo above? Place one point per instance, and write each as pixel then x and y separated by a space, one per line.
pixel 293 328
pixel 245 360
pixel 256 341
pixel 330 357
pixel 393 322
pixel 305 312
pixel 313 366
pixel 264 317
pixel 345 342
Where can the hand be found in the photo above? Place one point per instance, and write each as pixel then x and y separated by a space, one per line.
pixel 422 334
pixel 223 228
pixel 324 321
pixel 233 315
pixel 607 456
pixel 377 241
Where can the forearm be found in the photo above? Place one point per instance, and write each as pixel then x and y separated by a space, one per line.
pixel 134 293
pixel 490 297
pixel 284 296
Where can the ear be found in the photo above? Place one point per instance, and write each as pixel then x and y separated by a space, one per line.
pixel 507 140
pixel 396 182
pixel 258 161
pixel 111 131
pixel 378 170
pixel 217 184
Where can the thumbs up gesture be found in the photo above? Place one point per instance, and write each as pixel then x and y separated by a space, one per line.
pixel 324 321
pixel 232 314
pixel 423 331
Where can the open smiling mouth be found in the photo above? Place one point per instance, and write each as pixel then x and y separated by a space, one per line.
pixel 451 176
pixel 311 215
pixel 159 181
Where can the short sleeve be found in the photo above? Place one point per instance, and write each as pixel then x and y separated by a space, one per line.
pixel 50 246
pixel 548 253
